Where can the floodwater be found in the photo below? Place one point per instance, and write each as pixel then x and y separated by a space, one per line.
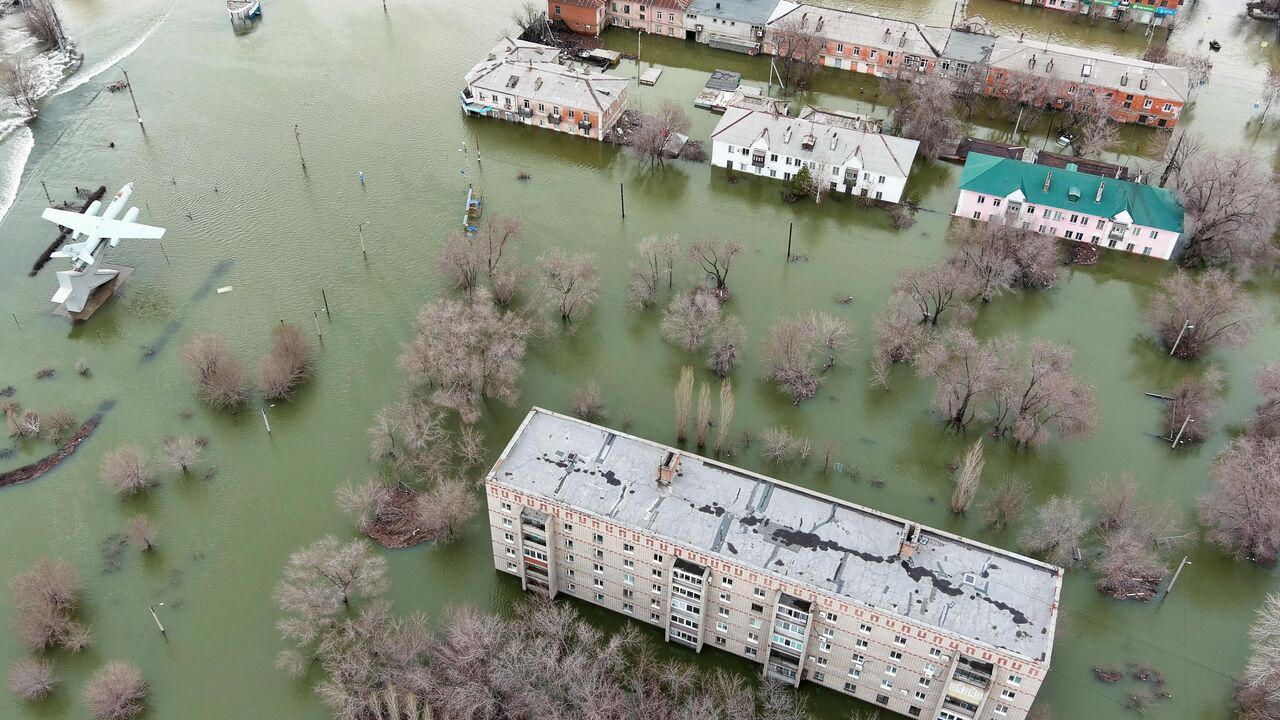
pixel 377 92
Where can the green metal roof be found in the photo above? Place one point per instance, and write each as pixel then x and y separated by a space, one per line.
pixel 1148 206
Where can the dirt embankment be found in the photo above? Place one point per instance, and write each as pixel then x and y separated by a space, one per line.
pixel 27 473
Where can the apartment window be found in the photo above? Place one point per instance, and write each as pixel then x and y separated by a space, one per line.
pixel 629 579
pixel 935 652
pixel 598 582
pixel 891 670
pixel 657 558
pixel 726 581
pixel 1146 250
pixel 657 589
pixel 1128 247
pixel 819 677
pixel 1015 680
pixel 773 157
pixel 572 572
pixel 895 655
pixel 506 522
pixel 1041 228
pixel 920 695
pixel 828 632
pixel 855 672
pixel 1146 104
pixel 850 687
pixel 568 527
pixel 511 566
pixel 824 646
pixel 597 568
pixel 977 215
pixel 887 684
pixel 568 557
pixel 864 628
pixel 599 553
pixel 655 602
pixel 541 108
pixel 506 506
pixel 753 637
pixel 1167 107
pixel 930 669
pixel 830 616
pixel 628 593
pixel 509 537
pixel 749 651
pixel 1031 209
pixel 597 538
pixel 628 563
pixel 757 607
pixel 1008 694
pixel 900 640
pixel 1153 234
pixel 724 598
pixel 914 711
pixel 572 587
pixel 721 627
pixel 628 548
pixel 1001 709
pixel 860 643
pixel 756 623
pixel 557 9
pixel 995 202
pixel 568 544
pixel 655 617
pixel 511 552
pixel 724 612
pixel 1100 224
pixel 923 682
pixel 657 573
pixel 982 199
pixel 599 597
pixel 628 608
pixel 839 47
pixel 1074 217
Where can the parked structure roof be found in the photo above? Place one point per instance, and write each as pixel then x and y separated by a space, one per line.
pixel 1092 67
pixel 969 47
pixel 1147 206
pixel 992 596
pixel 863 29
pixel 994 148
pixel 1084 165
pixel 833 144
pixel 755 12
pixel 530 70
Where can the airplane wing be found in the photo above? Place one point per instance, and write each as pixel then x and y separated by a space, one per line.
pixel 116 229
pixel 68 251
pixel 87 224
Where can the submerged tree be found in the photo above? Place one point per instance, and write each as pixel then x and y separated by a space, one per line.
pixel 716 258
pixel 797 48
pixel 1198 313
pixel 286 365
pixel 1041 395
pixel 32 679
pixel 568 282
pixel 725 345
pixel 142 532
pixel 116 692
pixel 1266 419
pixel 683 398
pixel 445 509
pixel 1056 532
pixel 1091 114
pixel 967 479
pixel 45 600
pixel 1133 532
pixel 1258 689
pixel 469 262
pixel 1242 513
pixel 656 257
pixel 18 78
pixel 929 115
pixel 180 453
pixel 466 352
pixel 727 407
pixel 217 374
pixel 969 372
pixel 899 337
pixel 1231 203
pixel 127 471
pixel 1002 256
pixel 934 289
pixel 587 403
pixel 319 583
pixel 1007 503
pixel 799 349
pixel 690 317
pixel 704 414
pixel 649 141
pixel 43 22
pixel 1195 402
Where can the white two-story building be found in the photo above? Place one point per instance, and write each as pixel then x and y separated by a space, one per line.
pixel 844 153
pixel 1069 204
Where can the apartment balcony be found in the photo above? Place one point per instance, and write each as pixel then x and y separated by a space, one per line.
pixel 1118 232
pixel 972 678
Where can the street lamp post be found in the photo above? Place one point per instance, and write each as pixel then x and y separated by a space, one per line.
pixel 157 618
pixel 1181 430
pixel 1186 325
pixel 360 229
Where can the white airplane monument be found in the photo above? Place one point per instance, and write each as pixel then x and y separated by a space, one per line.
pixel 81 289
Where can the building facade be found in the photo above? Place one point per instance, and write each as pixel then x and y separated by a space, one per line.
pixel 1144 12
pixel 531 84
pixel 1140 92
pixel 860 42
pixel 581 16
pixel 736 25
pixel 915 620
pixel 1070 204
pixel 844 153
pixel 660 17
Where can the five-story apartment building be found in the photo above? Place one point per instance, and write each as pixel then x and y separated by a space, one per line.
pixel 915 620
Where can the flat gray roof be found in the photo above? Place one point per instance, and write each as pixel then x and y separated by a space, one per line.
pixel 755 12
pixel 995 597
pixel 1077 65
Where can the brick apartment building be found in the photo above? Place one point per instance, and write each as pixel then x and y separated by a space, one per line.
pixel 860 42
pixel 1143 93
pixel 914 620
pixel 660 17
pixel 581 16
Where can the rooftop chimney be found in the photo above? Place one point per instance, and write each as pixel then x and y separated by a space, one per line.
pixel 1048 178
pixel 668 469
pixel 1098 197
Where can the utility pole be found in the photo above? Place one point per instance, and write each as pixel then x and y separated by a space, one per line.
pixel 1181 430
pixel 157 618
pixel 360 229
pixel 315 314
pixel 326 303
pixel 1173 160
pixel 622 193
pixel 129 84
pixel 637 56
pixel 479 162
pixel 1186 325
pixel 297 138
pixel 1174 581
pixel 264 411
pixel 1018 123
pixel 790 226
pixel 46 193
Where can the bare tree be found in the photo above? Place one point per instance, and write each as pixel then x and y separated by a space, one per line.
pixel 568 282
pixel 690 318
pixel 725 345
pixel 967 479
pixel 319 582
pixel 1133 533
pixel 899 337
pixel 704 414
pixel 1266 419
pixel 127 471
pixel 445 510
pixel 588 404
pixel 286 365
pixel 1007 503
pixel 657 255
pixel 1056 531
pixel 18 78
pixel 116 692
pixel 142 532
pixel 780 446
pixel 180 453
pixel 727 407
pixel 57 425
pixel 1242 513
pixel 1091 115
pixel 528 16
pixel 934 288
pixel 968 372
pixel 470 262
pixel 1175 155
pixel 1025 96
pixel 45 599
pixel 1129 569
pixel 28 424
pixel 650 140
pixel 716 257
pixel 683 397
pixel 929 116
pixel 217 374
pixel 1231 203
pixel 799 349
pixel 1207 311
pixel 43 21
pixel 1195 402
pixel 1002 256
pixel 797 49
pixel 466 352
pixel 32 679
pixel 1258 691
pixel 1042 394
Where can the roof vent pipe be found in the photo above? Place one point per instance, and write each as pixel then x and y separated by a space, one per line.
pixel 1098 196
pixel 1048 178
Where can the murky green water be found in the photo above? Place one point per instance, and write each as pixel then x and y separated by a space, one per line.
pixel 377 92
